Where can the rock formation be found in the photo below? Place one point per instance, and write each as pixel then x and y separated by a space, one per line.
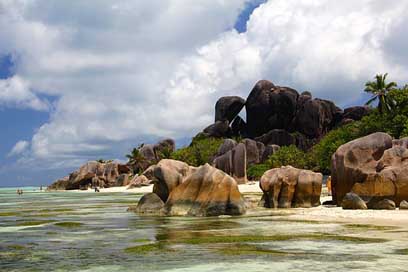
pixel 228 107
pixel 233 161
pixel 139 181
pixel 206 192
pixel 288 187
pixel 93 173
pixel 149 204
pixel 371 166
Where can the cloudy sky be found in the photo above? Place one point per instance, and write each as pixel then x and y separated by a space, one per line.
pixel 82 80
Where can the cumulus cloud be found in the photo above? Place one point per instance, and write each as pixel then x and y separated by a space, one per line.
pixel 132 71
pixel 19 148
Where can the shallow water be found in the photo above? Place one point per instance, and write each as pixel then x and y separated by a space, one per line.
pixel 67 231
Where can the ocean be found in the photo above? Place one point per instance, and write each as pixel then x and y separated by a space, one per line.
pixel 86 231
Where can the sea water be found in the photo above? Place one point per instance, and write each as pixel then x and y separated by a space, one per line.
pixel 86 231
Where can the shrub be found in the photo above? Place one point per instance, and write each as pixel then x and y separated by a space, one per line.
pixel 288 155
pixel 256 171
pixel 202 150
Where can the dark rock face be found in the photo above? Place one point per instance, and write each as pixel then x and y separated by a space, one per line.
pixel 252 151
pixel 206 192
pixel 149 204
pixel 228 107
pixel 219 129
pixel 276 137
pixel 356 113
pixel 234 163
pixel 371 167
pixel 226 146
pixel 381 204
pixel 288 187
pixel 270 107
pixel 315 117
pixel 351 201
pixel 92 173
pixel 239 127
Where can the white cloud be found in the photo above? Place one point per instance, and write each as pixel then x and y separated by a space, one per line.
pixel 19 148
pixel 15 91
pixel 127 71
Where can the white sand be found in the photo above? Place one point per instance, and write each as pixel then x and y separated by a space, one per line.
pixel 321 213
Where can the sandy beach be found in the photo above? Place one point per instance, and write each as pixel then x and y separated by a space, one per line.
pixel 252 191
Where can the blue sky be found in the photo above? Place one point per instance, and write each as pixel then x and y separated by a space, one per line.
pixel 74 87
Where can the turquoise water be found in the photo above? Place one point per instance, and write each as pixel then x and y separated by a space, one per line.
pixel 68 231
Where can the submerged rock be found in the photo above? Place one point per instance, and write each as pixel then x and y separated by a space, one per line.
pixel 288 187
pixel 149 204
pixel 381 204
pixel 403 205
pixel 352 201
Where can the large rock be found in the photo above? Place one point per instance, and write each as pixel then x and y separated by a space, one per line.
pixel 403 205
pixel 270 107
pixel 226 146
pixel 139 181
pixel 381 204
pixel 352 201
pixel 277 137
pixel 167 175
pixel 228 107
pixel 239 127
pixel 206 192
pixel 165 145
pixel 356 113
pixel 315 117
pixel 372 166
pixel 287 187
pixel 219 129
pixel 234 163
pixel 93 173
pixel 254 151
pixel 149 204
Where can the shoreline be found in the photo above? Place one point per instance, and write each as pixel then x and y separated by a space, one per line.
pixel 252 192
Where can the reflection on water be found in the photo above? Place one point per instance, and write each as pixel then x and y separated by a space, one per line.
pixel 93 232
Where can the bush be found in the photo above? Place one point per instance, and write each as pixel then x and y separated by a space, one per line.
pixel 202 150
pixel 289 155
pixel 256 171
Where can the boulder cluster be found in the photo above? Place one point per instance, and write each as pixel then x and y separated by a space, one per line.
pixel 289 187
pixel 279 116
pixel 180 189
pixel 371 172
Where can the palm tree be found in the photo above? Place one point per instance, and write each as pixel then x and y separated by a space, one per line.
pixel 379 89
pixel 136 158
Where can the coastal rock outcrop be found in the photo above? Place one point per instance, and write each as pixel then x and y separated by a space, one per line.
pixel 139 181
pixel 93 173
pixel 233 161
pixel 403 205
pixel 228 107
pixel 149 204
pixel 218 130
pixel 206 192
pixel 167 175
pixel 288 187
pixel 371 166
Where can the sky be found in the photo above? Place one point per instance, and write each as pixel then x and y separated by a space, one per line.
pixel 83 80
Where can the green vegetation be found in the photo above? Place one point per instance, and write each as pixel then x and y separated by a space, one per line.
pixel 256 171
pixel 69 224
pixel 379 89
pixel 260 238
pixel 403 251
pixel 369 227
pixel 9 214
pixel 289 155
pixel 33 223
pixel 201 150
pixel 145 249
pixel 250 249
pixel 136 158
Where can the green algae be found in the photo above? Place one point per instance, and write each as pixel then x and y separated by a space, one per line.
pixel 9 214
pixel 280 237
pixel 145 249
pixel 69 224
pixel 33 223
pixel 402 251
pixel 369 227
pixel 141 240
pixel 248 249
